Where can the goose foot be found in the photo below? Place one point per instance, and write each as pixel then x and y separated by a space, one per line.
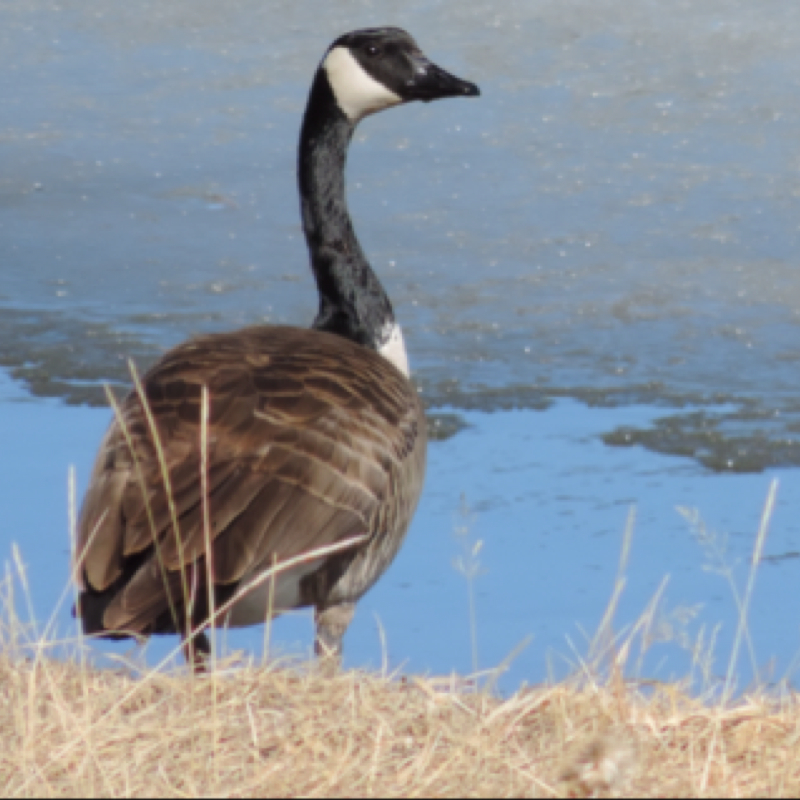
pixel 331 624
pixel 197 651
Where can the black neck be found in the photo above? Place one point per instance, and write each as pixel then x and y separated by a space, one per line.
pixel 353 303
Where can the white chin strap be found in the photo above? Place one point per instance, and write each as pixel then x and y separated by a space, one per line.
pixel 357 93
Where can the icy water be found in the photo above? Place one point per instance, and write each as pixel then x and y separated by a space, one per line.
pixel 594 265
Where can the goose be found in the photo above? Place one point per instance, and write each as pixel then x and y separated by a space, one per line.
pixel 312 439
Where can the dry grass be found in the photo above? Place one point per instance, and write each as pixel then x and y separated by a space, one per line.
pixel 71 730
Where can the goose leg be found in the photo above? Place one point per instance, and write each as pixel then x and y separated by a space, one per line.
pixel 331 624
pixel 196 651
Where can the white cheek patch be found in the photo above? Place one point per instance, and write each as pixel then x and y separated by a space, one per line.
pixel 394 348
pixel 357 93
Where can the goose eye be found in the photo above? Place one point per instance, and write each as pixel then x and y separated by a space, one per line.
pixel 373 50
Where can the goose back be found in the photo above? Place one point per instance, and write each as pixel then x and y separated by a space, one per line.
pixel 311 439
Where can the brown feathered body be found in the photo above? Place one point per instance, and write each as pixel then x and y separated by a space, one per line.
pixel 311 440
pixel 315 438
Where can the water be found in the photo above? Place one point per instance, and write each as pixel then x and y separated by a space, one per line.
pixel 549 503
pixel 598 252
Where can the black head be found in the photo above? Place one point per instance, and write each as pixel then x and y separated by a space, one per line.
pixel 374 68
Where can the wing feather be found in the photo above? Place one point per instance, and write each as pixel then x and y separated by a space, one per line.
pixel 309 437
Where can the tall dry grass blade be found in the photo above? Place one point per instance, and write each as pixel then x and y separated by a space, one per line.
pixel 384 647
pixel 624 642
pixel 766 516
pixel 602 643
pixel 30 732
pixel 14 625
pixel 503 666
pixel 165 477
pixel 77 560
pixel 73 581
pixel 26 589
pixel 649 616
pixel 709 540
pixel 583 666
pixel 71 585
pixel 72 508
pixel 123 425
pixel 267 642
pixel 468 565
pixel 210 576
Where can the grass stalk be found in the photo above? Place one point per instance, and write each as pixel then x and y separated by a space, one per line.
pixel 741 628
pixel 209 559
pixel 123 425
pixel 165 477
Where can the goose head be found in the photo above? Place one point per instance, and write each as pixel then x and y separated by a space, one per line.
pixel 375 68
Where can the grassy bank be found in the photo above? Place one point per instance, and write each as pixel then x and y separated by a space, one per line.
pixel 68 729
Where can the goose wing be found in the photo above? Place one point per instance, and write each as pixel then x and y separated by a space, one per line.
pixel 310 440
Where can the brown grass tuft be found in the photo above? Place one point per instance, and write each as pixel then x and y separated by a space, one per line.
pixel 68 729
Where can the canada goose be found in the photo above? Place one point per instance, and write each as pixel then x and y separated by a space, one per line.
pixel 314 436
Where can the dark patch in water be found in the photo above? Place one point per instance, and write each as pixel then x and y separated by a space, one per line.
pixel 782 557
pixel 444 425
pixel 59 355
pixel 55 355
pixel 744 440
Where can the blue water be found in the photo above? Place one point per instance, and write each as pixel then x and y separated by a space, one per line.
pixel 549 503
pixel 595 265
